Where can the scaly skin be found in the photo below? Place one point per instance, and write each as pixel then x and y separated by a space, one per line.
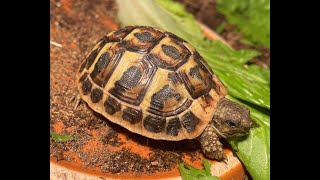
pixel 230 120
pixel 211 145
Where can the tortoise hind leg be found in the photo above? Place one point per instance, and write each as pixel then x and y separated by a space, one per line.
pixel 211 145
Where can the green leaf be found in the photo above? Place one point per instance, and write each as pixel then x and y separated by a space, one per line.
pixel 254 151
pixel 207 166
pixel 190 173
pixel 221 27
pixel 251 17
pixel 61 137
pixel 248 85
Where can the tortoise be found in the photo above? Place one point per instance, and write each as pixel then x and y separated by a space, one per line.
pixel 156 84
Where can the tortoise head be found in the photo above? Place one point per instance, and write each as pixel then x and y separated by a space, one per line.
pixel 231 119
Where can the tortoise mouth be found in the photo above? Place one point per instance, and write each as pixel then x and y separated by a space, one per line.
pixel 232 133
pixel 236 134
pixel 227 132
pixel 222 134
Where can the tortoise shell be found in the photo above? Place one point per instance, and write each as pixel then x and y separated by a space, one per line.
pixel 151 82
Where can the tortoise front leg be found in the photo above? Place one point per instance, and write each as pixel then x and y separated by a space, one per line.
pixel 210 144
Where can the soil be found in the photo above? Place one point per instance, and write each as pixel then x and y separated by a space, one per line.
pixel 206 12
pixel 99 145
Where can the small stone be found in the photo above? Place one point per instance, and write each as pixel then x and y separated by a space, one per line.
pixel 154 163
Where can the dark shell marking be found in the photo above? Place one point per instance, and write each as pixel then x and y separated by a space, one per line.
pixel 83 77
pixel 198 81
pixel 120 34
pixel 207 98
pixel 202 63
pixel 154 124
pixel 111 105
pixel 208 71
pixel 204 66
pixel 106 74
pixel 174 78
pixel 177 110
pixel 169 56
pixel 96 95
pixel 106 64
pixel 194 72
pixel 86 87
pixel 91 58
pixel 100 66
pixel 170 51
pixel 144 37
pixel 158 99
pixel 83 65
pixel 129 79
pixel 132 115
pixel 103 42
pixel 173 127
pixel 189 121
pixel 143 41
pixel 168 98
pixel 175 37
pixel 123 31
pixel 134 82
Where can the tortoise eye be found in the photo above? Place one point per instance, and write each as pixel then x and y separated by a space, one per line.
pixel 231 124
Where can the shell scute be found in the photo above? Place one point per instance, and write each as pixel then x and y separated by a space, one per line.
pixel 170 54
pixel 142 39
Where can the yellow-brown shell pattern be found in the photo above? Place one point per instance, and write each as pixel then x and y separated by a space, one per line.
pixel 151 82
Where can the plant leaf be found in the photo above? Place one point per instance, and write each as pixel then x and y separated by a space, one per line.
pixel 251 17
pixel 207 166
pixel 190 173
pixel 61 137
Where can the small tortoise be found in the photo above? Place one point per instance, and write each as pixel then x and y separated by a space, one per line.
pixel 156 84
